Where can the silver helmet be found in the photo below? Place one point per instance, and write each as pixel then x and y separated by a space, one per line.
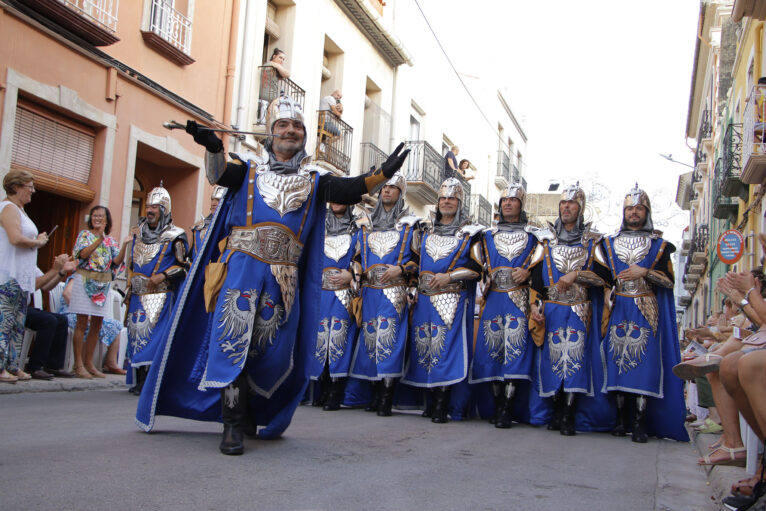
pixel 218 192
pixel 516 191
pixel 576 194
pixel 283 107
pixel 451 187
pixel 159 196
pixel 398 180
pixel 637 197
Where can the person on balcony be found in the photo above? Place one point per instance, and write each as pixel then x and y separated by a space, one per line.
pixel 331 104
pixel 463 169
pixel 272 72
pixel 568 275
pixel 504 351
pixel 450 162
pixel 387 265
pixel 277 61
pixel 641 337
pixel 240 346
pixel 443 301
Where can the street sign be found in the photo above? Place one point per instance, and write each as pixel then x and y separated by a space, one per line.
pixel 731 246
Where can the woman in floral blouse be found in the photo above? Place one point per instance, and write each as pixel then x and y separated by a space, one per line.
pixel 98 256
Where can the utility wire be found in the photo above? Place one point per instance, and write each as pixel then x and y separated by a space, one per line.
pixel 467 90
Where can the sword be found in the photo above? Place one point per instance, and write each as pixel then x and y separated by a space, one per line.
pixel 173 125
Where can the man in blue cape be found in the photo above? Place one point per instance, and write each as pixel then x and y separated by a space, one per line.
pixel 238 347
pixel 641 341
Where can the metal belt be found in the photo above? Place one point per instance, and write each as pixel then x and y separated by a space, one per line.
pixel 373 275
pixel 272 244
pixel 501 280
pixel 139 285
pixel 424 286
pixel 327 283
pixel 574 294
pixel 636 287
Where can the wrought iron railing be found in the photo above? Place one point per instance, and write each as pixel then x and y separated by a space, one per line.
pixel 372 156
pixel 732 150
pixel 171 25
pixel 701 238
pixel 504 165
pixel 103 12
pixel 706 126
pixel 333 140
pixel 271 87
pixel 481 210
pixel 727 171
pixel 424 164
pixel 755 124
pixel 515 174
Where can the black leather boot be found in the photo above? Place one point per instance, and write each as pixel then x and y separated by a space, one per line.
pixel 441 405
pixel 141 374
pixel 375 401
pixel 567 414
pixel 499 397
pixel 429 411
pixel 558 402
pixel 639 429
pixel 233 412
pixel 320 398
pixel 619 428
pixel 386 398
pixel 504 420
pixel 335 395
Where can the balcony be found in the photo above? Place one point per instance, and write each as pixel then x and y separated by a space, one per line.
pixel 684 301
pixel 424 171
pixel 481 210
pixel 754 138
pixel 686 243
pixel 95 21
pixel 516 175
pixel 699 246
pixel 169 33
pixel 272 86
pixel 503 176
pixel 333 141
pixel 706 129
pixel 727 186
pixel 372 157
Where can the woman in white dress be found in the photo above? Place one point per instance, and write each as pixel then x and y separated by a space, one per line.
pixel 19 242
pixel 98 256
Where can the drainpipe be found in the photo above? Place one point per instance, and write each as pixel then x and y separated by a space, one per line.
pixel 246 66
pixel 231 66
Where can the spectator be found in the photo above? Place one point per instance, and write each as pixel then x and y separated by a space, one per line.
pixel 98 255
pixel 332 104
pixel 463 169
pixel 46 356
pixel 277 61
pixel 110 330
pixel 450 162
pixel 270 86
pixel 19 242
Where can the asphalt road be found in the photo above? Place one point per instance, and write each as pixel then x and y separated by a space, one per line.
pixel 81 450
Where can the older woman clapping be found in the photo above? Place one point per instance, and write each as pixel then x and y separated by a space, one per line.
pixel 19 242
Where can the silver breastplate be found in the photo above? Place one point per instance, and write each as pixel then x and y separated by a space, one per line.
pixel 383 243
pixel 335 247
pixel 567 258
pixel 144 252
pixel 632 249
pixel 283 192
pixel 439 247
pixel 510 244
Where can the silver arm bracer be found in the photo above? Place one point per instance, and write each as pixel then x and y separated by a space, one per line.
pixel 477 253
pixel 588 278
pixel 658 279
pixel 215 166
pixel 463 274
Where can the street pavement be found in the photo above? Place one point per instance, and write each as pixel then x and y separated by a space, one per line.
pixel 82 450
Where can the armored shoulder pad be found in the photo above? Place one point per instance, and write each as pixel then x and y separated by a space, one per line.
pixel 546 233
pixel 171 233
pixel 249 156
pixel 590 234
pixel 656 234
pixel 411 220
pixel 470 229
pixel 198 226
pixel 311 167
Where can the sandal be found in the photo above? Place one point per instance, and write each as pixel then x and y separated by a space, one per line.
pixel 21 375
pixel 114 370
pixel 718 443
pixel 745 486
pixel 731 460
pixel 698 367
pixel 6 377
pixel 710 426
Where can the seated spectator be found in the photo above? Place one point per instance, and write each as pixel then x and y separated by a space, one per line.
pixel 47 353
pixel 450 162
pixel 463 169
pixel 332 104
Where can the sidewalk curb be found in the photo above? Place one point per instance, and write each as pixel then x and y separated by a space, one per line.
pixel 112 381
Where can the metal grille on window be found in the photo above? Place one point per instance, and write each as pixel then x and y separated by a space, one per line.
pixel 44 144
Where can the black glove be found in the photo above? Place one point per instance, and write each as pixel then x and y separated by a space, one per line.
pixel 204 137
pixel 395 161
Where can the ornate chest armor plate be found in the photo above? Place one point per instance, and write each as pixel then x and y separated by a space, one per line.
pixel 439 247
pixel 510 244
pixel 632 249
pixel 424 286
pixel 327 283
pixel 383 243
pixel 143 252
pixel 501 280
pixel 336 247
pixel 575 293
pixel 283 192
pixel 568 258
pixel 139 285
pixel 373 275
pixel 272 243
